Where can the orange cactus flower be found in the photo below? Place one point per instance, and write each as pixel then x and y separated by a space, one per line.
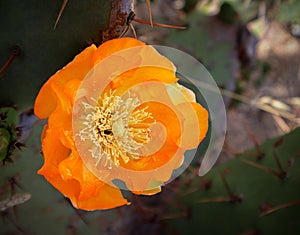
pixel 116 112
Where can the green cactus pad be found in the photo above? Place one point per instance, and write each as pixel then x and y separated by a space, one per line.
pixel 261 199
pixel 28 25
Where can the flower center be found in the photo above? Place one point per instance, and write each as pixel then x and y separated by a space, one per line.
pixel 117 128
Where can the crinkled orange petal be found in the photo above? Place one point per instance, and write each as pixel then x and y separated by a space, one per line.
pixel 54 151
pixel 45 102
pixel 180 94
pixel 141 75
pixel 151 67
pixel 152 181
pixel 94 194
pixel 69 188
pixel 71 89
pixel 151 57
pixel 194 116
pixel 167 151
pixel 107 198
pixel 163 174
pixel 73 168
pixel 60 121
pixel 60 167
pixel 148 192
pixel 83 189
pixel 165 113
pixel 156 91
pixel 112 46
pixel 160 106
pixel 142 63
pixel 195 124
pixel 54 155
pixel 138 183
pixel 165 116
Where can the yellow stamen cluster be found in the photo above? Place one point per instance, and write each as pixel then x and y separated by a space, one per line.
pixel 117 129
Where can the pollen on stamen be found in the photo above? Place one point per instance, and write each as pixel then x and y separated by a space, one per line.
pixel 117 129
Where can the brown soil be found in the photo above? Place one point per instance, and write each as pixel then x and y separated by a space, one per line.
pixel 282 52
